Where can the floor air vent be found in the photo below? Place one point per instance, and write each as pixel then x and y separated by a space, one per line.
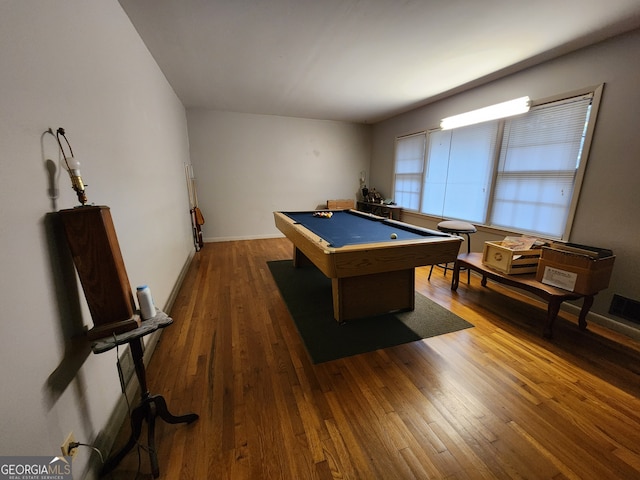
pixel 625 308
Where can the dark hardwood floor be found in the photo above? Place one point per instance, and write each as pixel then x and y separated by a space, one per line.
pixel 494 401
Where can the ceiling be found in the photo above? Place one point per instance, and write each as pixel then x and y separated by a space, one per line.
pixel 358 60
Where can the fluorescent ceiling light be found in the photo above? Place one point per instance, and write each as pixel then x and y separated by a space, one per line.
pixel 499 110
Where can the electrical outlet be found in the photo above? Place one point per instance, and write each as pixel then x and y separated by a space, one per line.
pixel 67 449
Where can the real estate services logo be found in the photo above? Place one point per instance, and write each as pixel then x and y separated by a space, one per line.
pixel 35 468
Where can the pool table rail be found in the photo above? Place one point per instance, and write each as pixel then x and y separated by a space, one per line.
pixel 367 258
pixel 369 279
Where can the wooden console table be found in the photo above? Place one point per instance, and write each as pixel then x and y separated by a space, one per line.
pixel 552 295
pixel 150 406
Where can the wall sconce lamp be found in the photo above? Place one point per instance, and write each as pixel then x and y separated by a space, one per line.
pixel 73 167
pixel 493 112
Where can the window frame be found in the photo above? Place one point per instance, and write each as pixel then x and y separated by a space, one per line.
pixel 594 91
pixel 487 168
pixel 396 175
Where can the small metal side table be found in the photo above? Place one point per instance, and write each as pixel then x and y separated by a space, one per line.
pixel 150 406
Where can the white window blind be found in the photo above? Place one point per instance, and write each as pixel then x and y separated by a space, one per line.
pixel 459 172
pixel 539 159
pixel 409 164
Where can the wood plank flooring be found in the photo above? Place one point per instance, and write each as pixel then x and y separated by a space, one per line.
pixel 496 401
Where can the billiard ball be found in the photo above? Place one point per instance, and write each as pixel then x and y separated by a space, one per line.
pixel 393 235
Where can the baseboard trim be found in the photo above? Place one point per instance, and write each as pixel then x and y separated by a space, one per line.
pixel 244 237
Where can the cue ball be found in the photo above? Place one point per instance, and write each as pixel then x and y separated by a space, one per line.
pixel 393 235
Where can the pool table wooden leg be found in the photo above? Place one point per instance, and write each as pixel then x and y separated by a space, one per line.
pixel 369 295
pixel 300 259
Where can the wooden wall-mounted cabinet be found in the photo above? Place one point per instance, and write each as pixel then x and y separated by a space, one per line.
pixel 98 260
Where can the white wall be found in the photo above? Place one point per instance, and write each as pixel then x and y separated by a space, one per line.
pixel 607 214
pixel 248 166
pixel 78 64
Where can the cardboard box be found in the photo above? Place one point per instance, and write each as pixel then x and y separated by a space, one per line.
pixel 508 260
pixel 581 273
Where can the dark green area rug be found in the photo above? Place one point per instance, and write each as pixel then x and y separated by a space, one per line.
pixel 307 293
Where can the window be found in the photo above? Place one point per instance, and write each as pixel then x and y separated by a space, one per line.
pixel 409 165
pixel 459 172
pixel 520 174
pixel 539 160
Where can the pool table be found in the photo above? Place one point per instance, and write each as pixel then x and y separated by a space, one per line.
pixel 370 260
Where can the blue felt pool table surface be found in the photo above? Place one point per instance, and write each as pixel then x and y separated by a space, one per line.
pixel 346 227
